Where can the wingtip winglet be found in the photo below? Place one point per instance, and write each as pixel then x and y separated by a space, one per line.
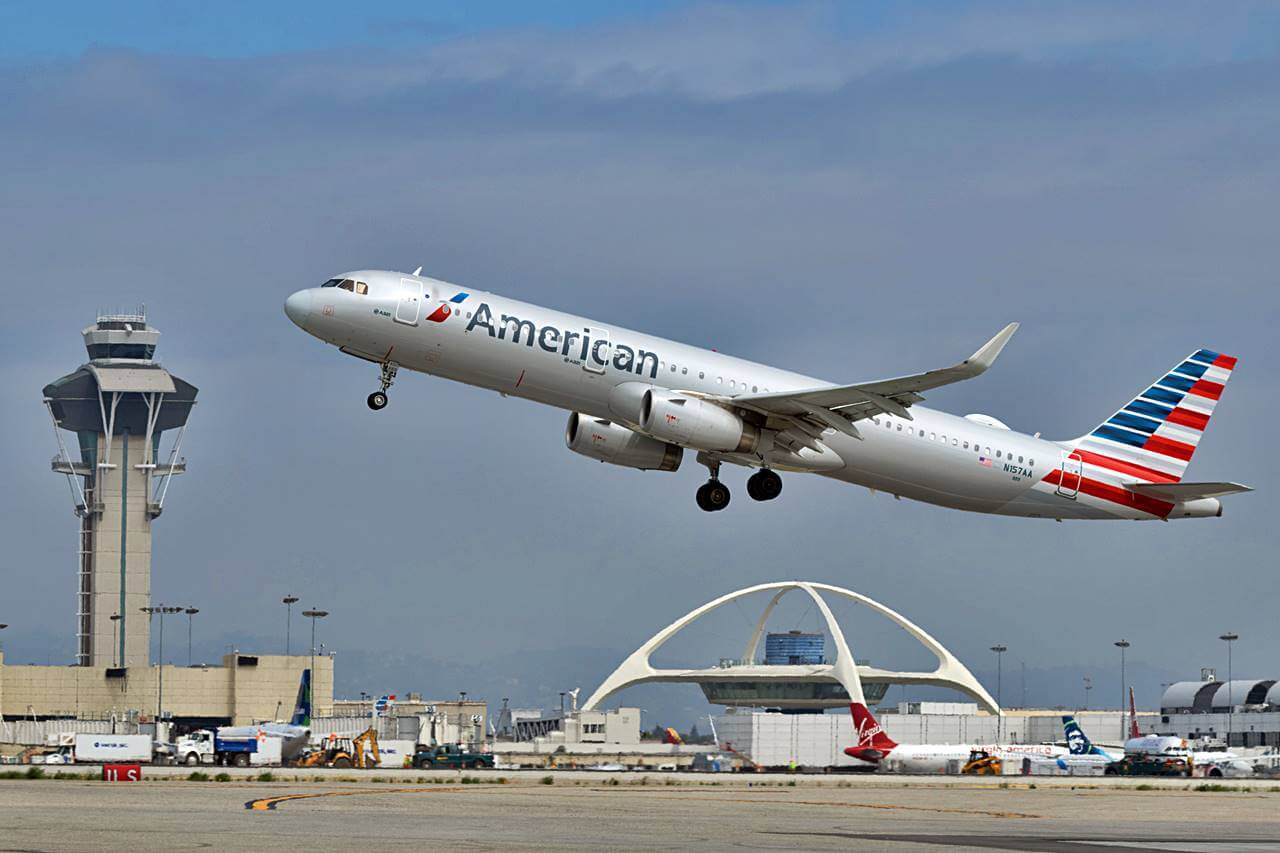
pixel 986 355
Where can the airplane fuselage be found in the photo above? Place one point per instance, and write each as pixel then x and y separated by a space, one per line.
pixel 580 365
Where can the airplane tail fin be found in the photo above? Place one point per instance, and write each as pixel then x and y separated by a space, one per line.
pixel 302 707
pixel 1152 439
pixel 871 742
pixel 1078 742
pixel 1133 717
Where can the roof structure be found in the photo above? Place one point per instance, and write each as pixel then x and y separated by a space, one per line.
pixel 950 672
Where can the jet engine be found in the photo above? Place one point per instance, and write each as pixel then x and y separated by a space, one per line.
pixel 606 441
pixel 695 423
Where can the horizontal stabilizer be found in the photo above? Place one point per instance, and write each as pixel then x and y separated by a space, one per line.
pixel 1179 492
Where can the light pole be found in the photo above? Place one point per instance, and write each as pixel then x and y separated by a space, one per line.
pixel 190 611
pixel 1122 645
pixel 1229 638
pixel 1088 685
pixel 313 615
pixel 288 601
pixel 161 610
pixel 1000 650
pixel 115 620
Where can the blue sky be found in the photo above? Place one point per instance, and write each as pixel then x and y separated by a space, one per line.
pixel 851 195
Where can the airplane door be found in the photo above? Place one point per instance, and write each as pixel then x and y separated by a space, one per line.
pixel 600 352
pixel 1072 473
pixel 410 305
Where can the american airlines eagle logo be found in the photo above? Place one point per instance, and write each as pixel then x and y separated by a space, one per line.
pixel 672 420
pixel 445 310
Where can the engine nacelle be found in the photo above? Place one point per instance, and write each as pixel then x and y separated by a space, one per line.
pixel 614 443
pixel 695 423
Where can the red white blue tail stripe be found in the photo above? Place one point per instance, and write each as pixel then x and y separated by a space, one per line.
pixel 1150 440
pixel 1154 437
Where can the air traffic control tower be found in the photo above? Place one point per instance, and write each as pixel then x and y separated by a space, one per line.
pixel 116 408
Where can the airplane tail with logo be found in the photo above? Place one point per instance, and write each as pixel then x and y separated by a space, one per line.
pixel 1138 455
pixel 1078 742
pixel 302 707
pixel 871 743
pixel 1133 717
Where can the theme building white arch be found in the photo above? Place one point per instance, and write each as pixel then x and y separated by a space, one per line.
pixel 637 669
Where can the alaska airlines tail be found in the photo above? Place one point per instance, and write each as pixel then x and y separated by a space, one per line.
pixel 1078 742
pixel 1152 439
pixel 870 741
pixel 302 707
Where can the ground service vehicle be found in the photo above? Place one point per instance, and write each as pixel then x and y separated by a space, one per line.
pixel 211 747
pixel 1151 765
pixel 450 756
pixel 98 748
pixel 346 752
pixel 982 763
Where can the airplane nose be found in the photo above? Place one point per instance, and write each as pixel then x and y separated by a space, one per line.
pixel 298 308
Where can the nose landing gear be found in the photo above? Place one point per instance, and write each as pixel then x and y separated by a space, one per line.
pixel 764 485
pixel 378 399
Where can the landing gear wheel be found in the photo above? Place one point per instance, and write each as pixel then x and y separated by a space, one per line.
pixel 713 496
pixel 378 399
pixel 764 485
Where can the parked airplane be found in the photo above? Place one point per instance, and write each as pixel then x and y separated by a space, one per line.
pixel 1209 763
pixel 294 734
pixel 640 401
pixel 874 746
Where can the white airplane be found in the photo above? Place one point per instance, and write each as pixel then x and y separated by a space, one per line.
pixel 294 735
pixel 874 746
pixel 1217 763
pixel 639 401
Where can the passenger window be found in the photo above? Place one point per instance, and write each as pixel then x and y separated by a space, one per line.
pixel 673 367
pixel 910 430
pixel 361 288
pixel 955 442
pixel 997 454
pixel 899 427
pixel 753 389
pixel 684 371
pixel 988 450
pixel 966 445
pixel 1019 458
pixel 702 374
pixel 933 436
pixel 1031 462
pixel 347 284
pixel 719 380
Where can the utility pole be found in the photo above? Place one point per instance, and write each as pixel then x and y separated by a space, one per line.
pixel 1230 638
pixel 999 650
pixel 1122 645
pixel 160 610
pixel 288 601
pixel 313 615
pixel 115 622
pixel 190 611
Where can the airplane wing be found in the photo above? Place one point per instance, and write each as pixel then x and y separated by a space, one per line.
pixel 813 410
pixel 1178 492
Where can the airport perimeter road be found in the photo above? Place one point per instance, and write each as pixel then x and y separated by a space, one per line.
pixel 593 814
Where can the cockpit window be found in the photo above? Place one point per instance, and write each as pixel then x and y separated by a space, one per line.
pixel 348 284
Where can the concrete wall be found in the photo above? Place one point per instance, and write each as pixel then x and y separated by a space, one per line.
pixel 236 691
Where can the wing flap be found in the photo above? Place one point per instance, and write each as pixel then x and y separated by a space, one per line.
pixel 1179 492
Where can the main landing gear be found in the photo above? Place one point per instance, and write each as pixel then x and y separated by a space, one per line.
pixel 764 485
pixel 713 495
pixel 378 399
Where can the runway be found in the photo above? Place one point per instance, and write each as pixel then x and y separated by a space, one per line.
pixel 588 811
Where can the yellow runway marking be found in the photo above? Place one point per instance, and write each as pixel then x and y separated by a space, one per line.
pixel 269 803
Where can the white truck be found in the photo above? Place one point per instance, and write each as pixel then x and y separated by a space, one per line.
pixel 207 747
